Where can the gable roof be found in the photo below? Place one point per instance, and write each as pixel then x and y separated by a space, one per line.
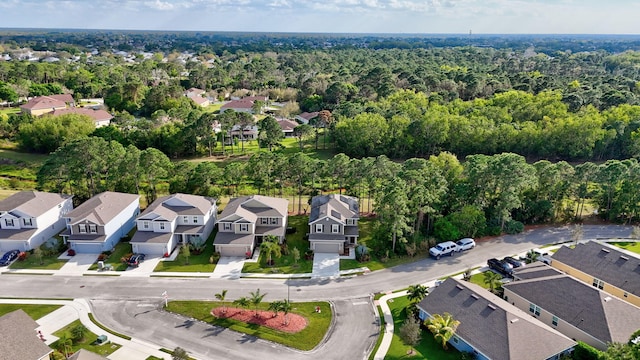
pixel 102 208
pixel 194 91
pixel 308 115
pixel 96 115
pixel 19 338
pixel 337 206
pixel 492 326
pixel 171 206
pixel 246 208
pixel 48 102
pixel 33 203
pixel 593 311
pixel 237 104
pixel 605 263
pixel 534 270
pixel 287 125
pixel 255 98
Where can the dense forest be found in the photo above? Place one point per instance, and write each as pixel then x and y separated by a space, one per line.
pixel 441 136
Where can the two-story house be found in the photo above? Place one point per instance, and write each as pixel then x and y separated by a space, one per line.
pixel 20 339
pixel 333 223
pixel 171 220
pixel 574 308
pixel 29 218
pixel 99 223
pixel 603 266
pixel 246 220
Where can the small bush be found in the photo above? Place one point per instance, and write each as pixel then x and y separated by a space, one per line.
pixel 23 256
pixel 513 227
pixel 583 351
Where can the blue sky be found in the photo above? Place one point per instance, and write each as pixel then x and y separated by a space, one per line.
pixel 360 16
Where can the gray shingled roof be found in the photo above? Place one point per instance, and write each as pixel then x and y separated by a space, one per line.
pixel 595 312
pixel 197 205
pixel 102 208
pixel 19 337
pixel 34 203
pixel 83 354
pixel 609 265
pixel 337 206
pixel 273 207
pixel 534 270
pixel 492 326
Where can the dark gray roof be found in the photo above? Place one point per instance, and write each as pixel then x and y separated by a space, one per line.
pixel 19 337
pixel 228 238
pixel 171 206
pixel 533 271
pixel 102 208
pixel 248 209
pixel 18 235
pixel 593 311
pixel 151 237
pixel 605 263
pixel 492 326
pixel 337 206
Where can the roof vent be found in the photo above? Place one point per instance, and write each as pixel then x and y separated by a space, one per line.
pixel 474 296
pixel 607 299
pixel 459 287
pixel 491 306
pixel 606 250
pixel 624 257
pixel 514 320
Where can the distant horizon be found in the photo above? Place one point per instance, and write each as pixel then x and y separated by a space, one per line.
pixel 543 17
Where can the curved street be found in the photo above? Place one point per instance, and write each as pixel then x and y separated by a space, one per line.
pixel 131 305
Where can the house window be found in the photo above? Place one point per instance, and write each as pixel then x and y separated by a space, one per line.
pixel 264 221
pixel 554 321
pixel 598 283
pixel 226 226
pixel 82 228
pixel 27 221
pixel 351 221
pixel 534 309
pixel 244 227
pixel 8 222
pixel 335 228
pixel 93 229
pixel 273 221
pixel 185 219
pixel 161 226
pixel 318 228
pixel 195 219
pixel 145 224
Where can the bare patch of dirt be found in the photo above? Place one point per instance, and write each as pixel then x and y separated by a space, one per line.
pixel 292 324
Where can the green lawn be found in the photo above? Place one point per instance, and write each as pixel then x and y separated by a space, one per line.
pixel 632 246
pixel 307 339
pixel 197 263
pixel 30 158
pixel 87 343
pixel 9 110
pixel 115 259
pixel 35 311
pixel 427 348
pixel 46 263
pixel 478 279
pixel 285 264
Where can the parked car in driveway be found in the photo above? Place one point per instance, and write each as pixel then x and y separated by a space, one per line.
pixel 513 261
pixel 500 266
pixel 444 248
pixel 135 260
pixel 8 257
pixel 466 244
pixel 541 255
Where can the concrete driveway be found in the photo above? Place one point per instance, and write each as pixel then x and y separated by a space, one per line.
pixel 145 268
pixel 228 267
pixel 326 265
pixel 77 265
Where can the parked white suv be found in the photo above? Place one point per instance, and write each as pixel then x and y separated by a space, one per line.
pixel 543 256
pixel 444 248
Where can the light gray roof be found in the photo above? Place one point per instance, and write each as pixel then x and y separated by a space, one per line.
pixel 83 354
pixel 102 208
pixel 171 206
pixel 20 234
pixel 492 326
pixel 151 237
pixel 228 238
pixel 339 207
pixel 34 203
pixel 593 311
pixel 605 263
pixel 249 209
pixel 19 337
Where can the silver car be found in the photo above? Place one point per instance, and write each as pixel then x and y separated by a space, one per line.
pixel 466 244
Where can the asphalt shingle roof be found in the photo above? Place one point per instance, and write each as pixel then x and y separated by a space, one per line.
pixel 102 208
pixel 337 206
pixel 19 338
pixel 34 203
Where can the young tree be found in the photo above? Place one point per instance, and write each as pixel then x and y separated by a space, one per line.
pixel 78 332
pixel 443 327
pixel 221 296
pixel 296 255
pixel 286 308
pixel 179 354
pixel 186 252
pixel 38 253
pixel 242 302
pixel 416 293
pixel 276 306
pixel 410 332
pixel 492 279
pixel 256 299
pixel 271 248
pixel 270 133
pixel 64 344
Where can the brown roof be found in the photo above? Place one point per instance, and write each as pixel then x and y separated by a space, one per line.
pixel 19 337
pixel 287 125
pixel 237 104
pixel 102 208
pixel 48 102
pixel 171 206
pixel 308 116
pixel 33 203
pixel 96 115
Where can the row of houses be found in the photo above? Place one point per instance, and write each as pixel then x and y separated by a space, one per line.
pixel 29 218
pixel 590 293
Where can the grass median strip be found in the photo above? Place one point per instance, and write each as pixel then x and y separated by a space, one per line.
pixel 93 320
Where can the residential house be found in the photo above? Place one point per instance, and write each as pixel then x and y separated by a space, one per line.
pixel 305 117
pixel 333 223
pixel 173 219
pixel 250 132
pixel 198 96
pixel 605 267
pixel 100 222
pixel 287 127
pixel 29 218
pixel 246 220
pixel 238 106
pixel 41 105
pixel 578 310
pixel 491 328
pixel 20 339
pixel 100 117
pixel 264 99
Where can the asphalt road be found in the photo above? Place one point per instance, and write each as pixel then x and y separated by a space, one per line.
pixel 128 305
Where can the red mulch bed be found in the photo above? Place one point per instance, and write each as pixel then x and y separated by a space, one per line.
pixel 295 322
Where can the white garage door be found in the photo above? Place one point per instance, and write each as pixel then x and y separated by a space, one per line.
pixel 327 248
pixel 149 249
pixel 232 251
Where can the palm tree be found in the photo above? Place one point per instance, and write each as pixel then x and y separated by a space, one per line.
pixel 532 256
pixel 242 302
pixel 275 306
pixel 443 327
pixel 286 308
pixel 271 248
pixel 220 296
pixel 64 344
pixel 415 293
pixel 256 299
pixel 492 280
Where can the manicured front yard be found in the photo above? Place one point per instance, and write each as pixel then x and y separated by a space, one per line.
pixel 33 310
pixel 478 279
pixel 87 343
pixel 632 246
pixel 50 262
pixel 197 263
pixel 427 349
pixel 307 339
pixel 115 259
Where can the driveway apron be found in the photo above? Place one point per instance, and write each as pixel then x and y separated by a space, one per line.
pixel 326 265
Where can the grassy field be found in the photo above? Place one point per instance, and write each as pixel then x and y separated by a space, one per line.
pixel 632 246
pixel 33 310
pixel 307 339
pixel 115 259
pixel 197 263
pixel 9 110
pixel 427 349
pixel 87 343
